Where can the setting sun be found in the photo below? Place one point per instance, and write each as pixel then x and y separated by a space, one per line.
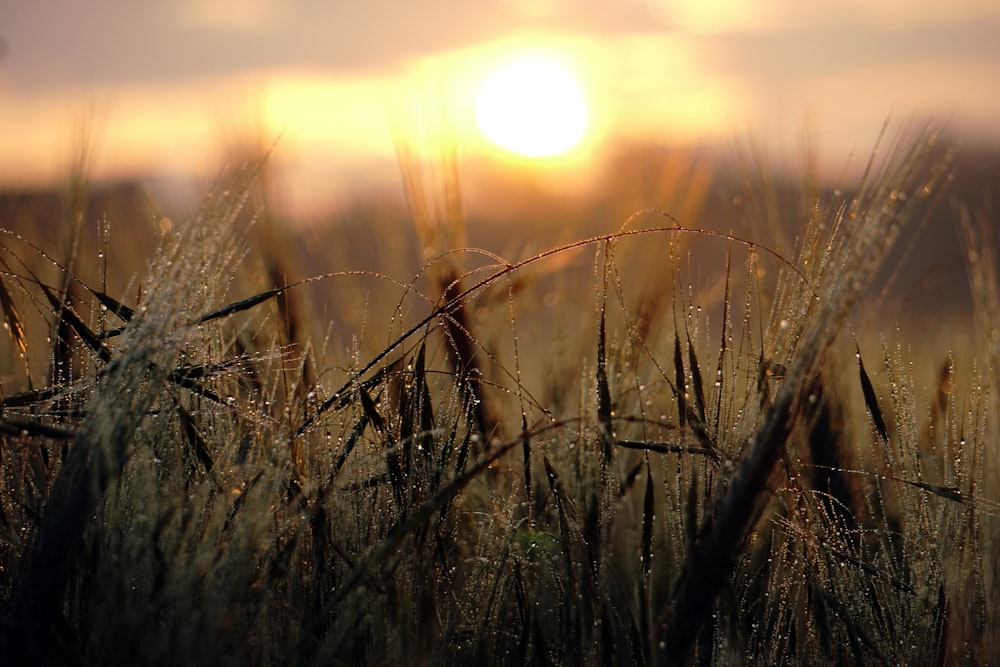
pixel 533 107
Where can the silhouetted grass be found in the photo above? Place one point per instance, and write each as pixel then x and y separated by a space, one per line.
pixel 709 476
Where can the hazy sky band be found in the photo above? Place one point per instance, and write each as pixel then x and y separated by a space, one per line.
pixel 174 84
pixel 113 42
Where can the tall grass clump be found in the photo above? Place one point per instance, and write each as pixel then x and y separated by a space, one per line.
pixel 597 454
pixel 135 453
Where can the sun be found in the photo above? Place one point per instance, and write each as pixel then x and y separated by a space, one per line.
pixel 532 106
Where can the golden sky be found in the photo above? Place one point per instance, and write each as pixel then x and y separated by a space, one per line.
pixel 168 87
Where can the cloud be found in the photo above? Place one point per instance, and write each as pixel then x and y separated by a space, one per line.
pixel 252 16
pixel 110 42
pixel 792 56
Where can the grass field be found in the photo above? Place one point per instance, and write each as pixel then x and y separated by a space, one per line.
pixel 665 444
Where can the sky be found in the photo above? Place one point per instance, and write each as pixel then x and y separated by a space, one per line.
pixel 175 87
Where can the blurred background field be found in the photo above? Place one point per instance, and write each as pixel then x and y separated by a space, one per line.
pixel 169 91
pixel 151 102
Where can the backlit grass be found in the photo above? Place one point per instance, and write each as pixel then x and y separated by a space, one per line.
pixel 599 454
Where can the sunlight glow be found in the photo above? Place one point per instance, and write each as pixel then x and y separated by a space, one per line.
pixel 532 106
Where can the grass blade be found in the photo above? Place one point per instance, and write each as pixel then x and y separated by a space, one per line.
pixel 397 465
pixel 681 383
pixel 20 427
pixel 422 418
pixel 604 395
pixel 31 397
pixel 241 305
pixel 526 463
pixel 14 327
pixel 352 439
pixel 123 312
pixel 646 542
pixel 871 401
pixel 670 448
pixel 696 385
pixel 68 317
pixel 723 342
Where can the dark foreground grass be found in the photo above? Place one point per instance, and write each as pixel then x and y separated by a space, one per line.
pixel 545 465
